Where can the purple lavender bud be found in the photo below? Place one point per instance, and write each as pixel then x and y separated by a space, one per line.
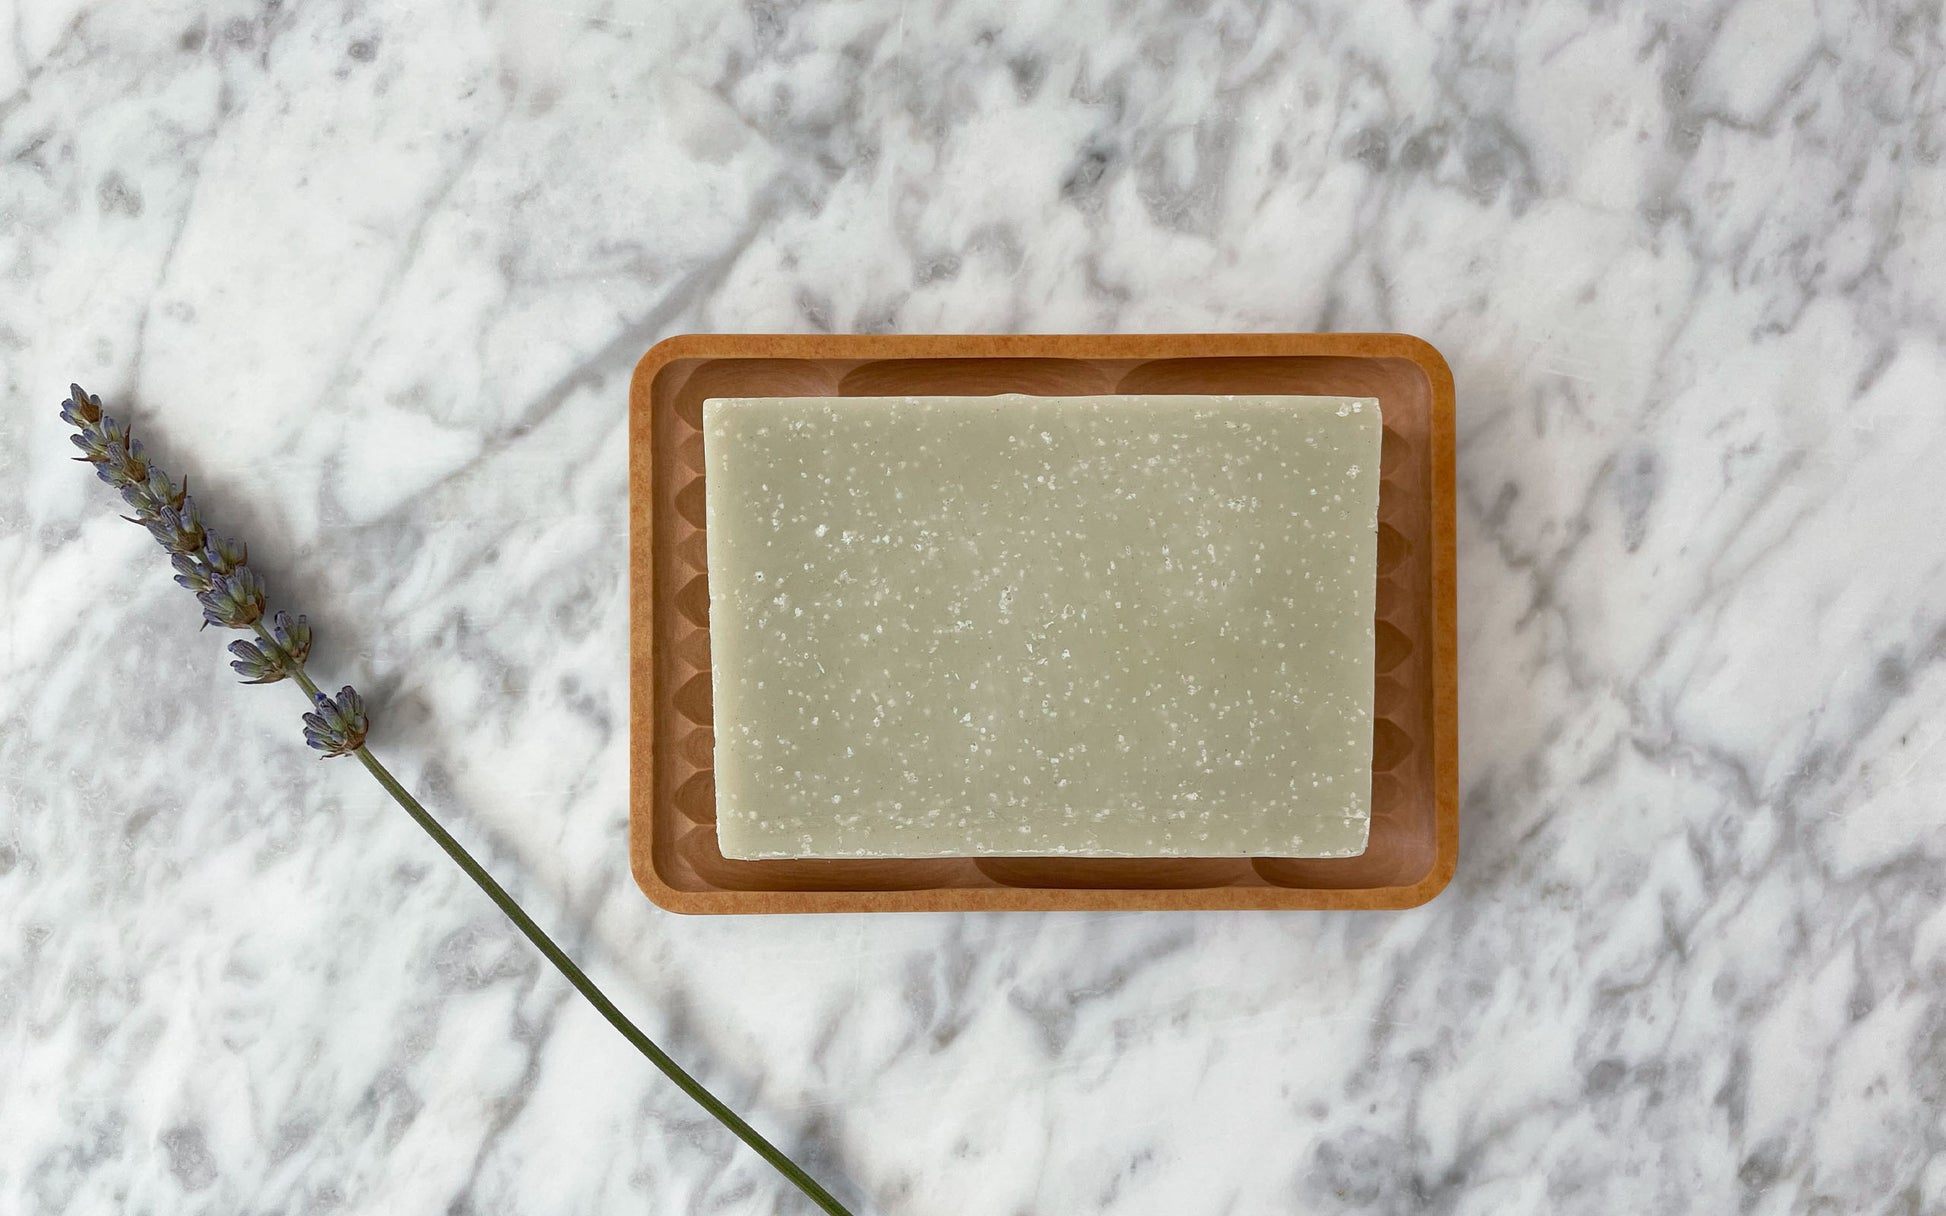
pixel 225 555
pixel 89 442
pixel 109 465
pixel 179 530
pixel 338 727
pixel 135 464
pixel 293 637
pixel 80 410
pixel 141 501
pixel 190 571
pixel 112 432
pixel 234 600
pixel 254 666
pixel 165 491
pixel 276 659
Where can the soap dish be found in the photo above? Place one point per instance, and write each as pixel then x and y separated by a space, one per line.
pixel 1414 838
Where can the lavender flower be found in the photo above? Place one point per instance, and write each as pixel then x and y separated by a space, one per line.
pixel 280 655
pixel 225 556
pixel 151 496
pixel 190 571
pixel 235 600
pixel 233 595
pixel 338 728
pixel 176 529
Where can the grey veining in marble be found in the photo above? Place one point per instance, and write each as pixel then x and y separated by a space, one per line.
pixel 377 274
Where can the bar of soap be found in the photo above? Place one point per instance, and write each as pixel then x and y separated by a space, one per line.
pixel 1012 625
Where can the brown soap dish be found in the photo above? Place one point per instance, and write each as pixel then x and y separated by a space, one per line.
pixel 1415 748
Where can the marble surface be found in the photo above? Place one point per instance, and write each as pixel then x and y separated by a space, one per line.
pixel 375 274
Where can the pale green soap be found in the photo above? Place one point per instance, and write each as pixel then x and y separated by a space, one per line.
pixel 1110 626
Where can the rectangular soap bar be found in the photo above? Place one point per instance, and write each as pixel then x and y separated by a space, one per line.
pixel 1103 626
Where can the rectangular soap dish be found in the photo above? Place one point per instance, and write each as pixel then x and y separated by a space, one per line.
pixel 1415 797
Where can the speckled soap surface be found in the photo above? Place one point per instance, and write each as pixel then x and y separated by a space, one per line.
pixel 1127 626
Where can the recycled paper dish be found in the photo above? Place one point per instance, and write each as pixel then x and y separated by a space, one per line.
pixel 1414 805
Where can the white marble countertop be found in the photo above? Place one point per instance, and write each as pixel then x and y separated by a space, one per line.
pixel 376 275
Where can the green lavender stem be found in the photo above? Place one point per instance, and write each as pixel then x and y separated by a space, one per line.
pixel 585 986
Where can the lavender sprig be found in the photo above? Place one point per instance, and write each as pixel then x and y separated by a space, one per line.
pixel 234 596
